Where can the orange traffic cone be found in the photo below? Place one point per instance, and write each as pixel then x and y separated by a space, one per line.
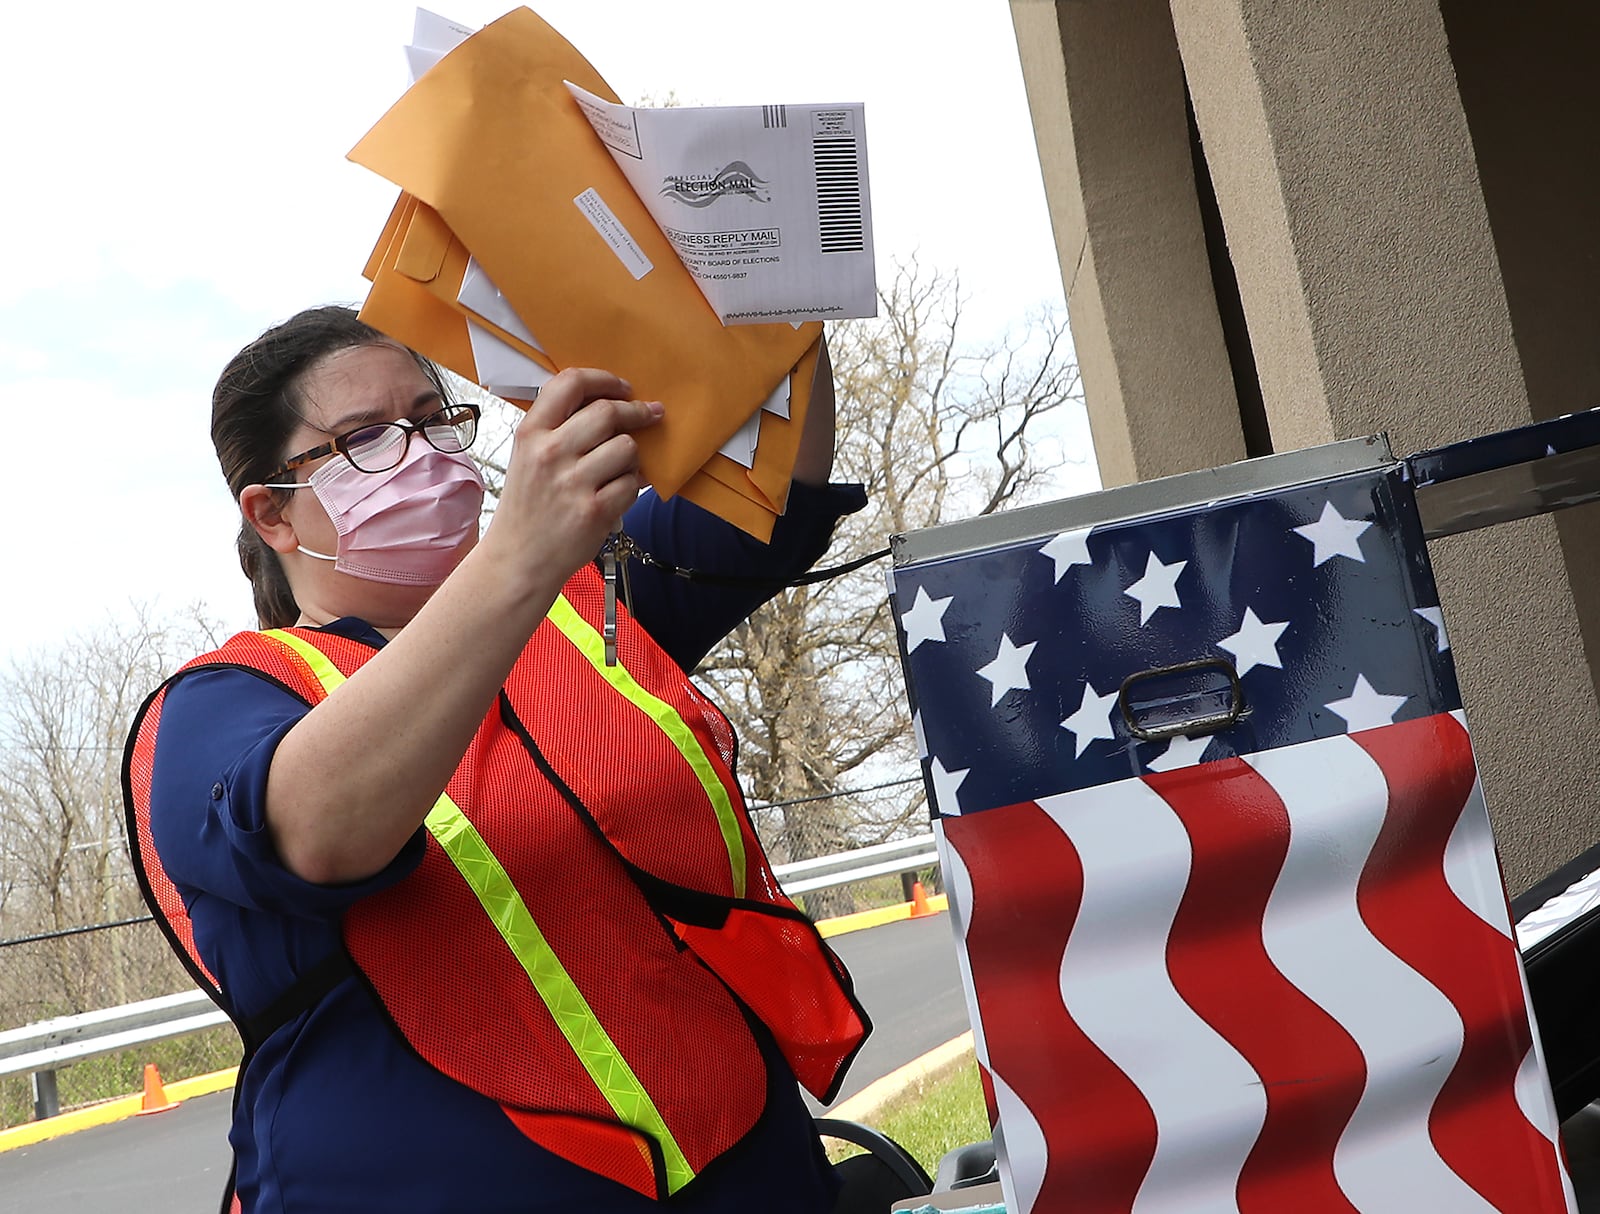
pixel 155 1094
pixel 919 901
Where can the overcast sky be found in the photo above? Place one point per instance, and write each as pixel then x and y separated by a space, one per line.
pixel 176 181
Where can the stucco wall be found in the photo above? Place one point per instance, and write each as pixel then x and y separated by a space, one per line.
pixel 1106 87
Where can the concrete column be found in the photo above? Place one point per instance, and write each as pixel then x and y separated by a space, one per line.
pixel 1106 92
pixel 1349 190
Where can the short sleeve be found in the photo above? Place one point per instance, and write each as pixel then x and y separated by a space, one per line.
pixel 687 617
pixel 220 728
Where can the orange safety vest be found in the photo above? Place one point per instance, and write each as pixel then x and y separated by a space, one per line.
pixel 592 909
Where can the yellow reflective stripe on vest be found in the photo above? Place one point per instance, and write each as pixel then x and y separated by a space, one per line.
pixel 329 675
pixel 593 647
pixel 497 894
pixel 570 1010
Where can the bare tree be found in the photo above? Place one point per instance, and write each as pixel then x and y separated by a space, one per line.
pixel 63 848
pixel 936 430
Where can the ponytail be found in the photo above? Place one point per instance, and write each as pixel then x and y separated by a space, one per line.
pixel 275 603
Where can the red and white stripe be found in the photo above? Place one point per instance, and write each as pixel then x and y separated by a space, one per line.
pixel 1285 982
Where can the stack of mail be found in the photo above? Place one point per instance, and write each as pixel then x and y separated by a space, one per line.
pixel 536 231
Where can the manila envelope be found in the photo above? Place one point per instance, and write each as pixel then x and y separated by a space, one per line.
pixel 753 498
pixel 404 308
pixel 491 140
pixel 417 269
pixel 417 246
pixel 767 482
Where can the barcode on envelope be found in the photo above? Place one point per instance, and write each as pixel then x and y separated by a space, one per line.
pixel 775 117
pixel 839 224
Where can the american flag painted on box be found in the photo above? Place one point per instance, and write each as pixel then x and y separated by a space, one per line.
pixel 1260 969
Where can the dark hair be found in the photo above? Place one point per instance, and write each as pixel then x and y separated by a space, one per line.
pixel 256 406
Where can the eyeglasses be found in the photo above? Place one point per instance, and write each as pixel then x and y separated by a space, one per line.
pixel 381 446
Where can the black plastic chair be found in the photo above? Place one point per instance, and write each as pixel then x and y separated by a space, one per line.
pixel 973 1164
pixel 887 1173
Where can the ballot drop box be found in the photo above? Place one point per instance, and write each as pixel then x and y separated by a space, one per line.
pixel 1228 910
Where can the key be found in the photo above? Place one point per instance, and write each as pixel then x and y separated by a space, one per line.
pixel 608 569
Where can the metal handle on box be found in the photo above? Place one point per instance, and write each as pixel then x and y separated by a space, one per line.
pixel 1210 723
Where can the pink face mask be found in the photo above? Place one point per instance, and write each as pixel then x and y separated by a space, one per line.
pixel 404 526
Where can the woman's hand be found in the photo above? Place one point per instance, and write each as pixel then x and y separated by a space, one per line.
pixel 574 470
pixel 354 778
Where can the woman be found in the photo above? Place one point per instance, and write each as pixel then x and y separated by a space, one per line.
pixel 489 913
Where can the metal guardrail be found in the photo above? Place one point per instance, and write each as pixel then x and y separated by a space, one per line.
pixel 902 856
pixel 39 1050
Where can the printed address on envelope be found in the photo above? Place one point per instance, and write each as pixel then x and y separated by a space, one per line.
pixel 767 205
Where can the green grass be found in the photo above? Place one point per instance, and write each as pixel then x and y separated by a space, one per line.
pixel 938 1113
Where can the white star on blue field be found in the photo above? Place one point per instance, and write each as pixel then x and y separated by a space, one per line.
pixel 1317 597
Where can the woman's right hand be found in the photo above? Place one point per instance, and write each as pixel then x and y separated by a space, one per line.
pixel 574 470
